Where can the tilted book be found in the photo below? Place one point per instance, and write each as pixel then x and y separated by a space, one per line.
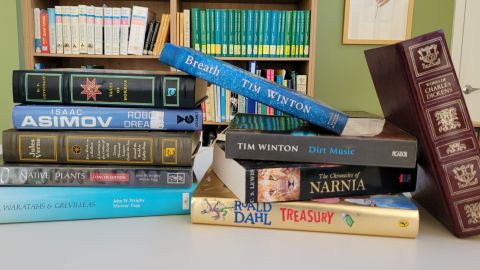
pixel 383 215
pixel 119 88
pixel 419 92
pixel 254 181
pixel 101 147
pixel 16 174
pixel 254 87
pixel 73 117
pixel 31 204
pixel 284 138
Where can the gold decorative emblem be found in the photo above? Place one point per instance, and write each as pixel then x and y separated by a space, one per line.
pixel 76 149
pixel 429 56
pixel 447 119
pixel 456 147
pixel 473 212
pixel 403 223
pixel 169 151
pixel 465 175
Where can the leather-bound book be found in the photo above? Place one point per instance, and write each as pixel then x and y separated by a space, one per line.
pixel 420 93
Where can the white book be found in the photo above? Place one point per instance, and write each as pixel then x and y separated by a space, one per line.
pixel 186 27
pixel 98 30
pixel 67 34
pixel 301 84
pixel 90 30
pixel 107 30
pixel 116 31
pixel 74 30
pixel 140 18
pixel 124 29
pixel 82 28
pixel 59 28
pixel 37 41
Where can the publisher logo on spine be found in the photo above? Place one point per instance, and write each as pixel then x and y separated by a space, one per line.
pixel 429 56
pixel 176 178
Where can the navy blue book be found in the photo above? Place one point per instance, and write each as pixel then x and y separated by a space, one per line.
pixel 267 92
pixel 77 117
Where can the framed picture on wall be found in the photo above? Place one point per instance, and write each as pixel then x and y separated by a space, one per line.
pixel 377 21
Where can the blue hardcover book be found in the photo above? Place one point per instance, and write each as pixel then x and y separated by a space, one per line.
pixel 73 117
pixel 251 103
pixel 247 84
pixel 30 204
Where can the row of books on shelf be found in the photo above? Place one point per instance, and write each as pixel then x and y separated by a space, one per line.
pixel 92 30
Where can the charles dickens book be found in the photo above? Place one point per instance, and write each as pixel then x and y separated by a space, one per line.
pixel 385 215
pixel 267 181
pixel 30 204
pixel 21 174
pixel 419 92
pixel 284 138
pixel 96 147
pixel 249 85
pixel 120 88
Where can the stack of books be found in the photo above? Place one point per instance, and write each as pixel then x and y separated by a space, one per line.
pixel 103 143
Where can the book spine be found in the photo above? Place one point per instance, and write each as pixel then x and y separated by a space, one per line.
pixel 274 33
pixel 203 31
pixel 306 47
pixel 186 28
pixel 82 29
pixel 318 217
pixel 208 30
pixel 90 29
pixel 156 29
pixel 67 175
pixel 231 32
pixel 137 30
pixel 124 29
pixel 116 14
pixel 281 33
pixel 209 104
pixel 37 31
pixel 244 83
pixel 223 105
pixel 52 30
pixel 256 22
pixel 59 28
pixel 212 32
pixel 224 32
pixel 70 117
pixel 98 47
pixel 67 30
pixel 97 147
pixel 149 36
pixel 120 90
pixel 74 30
pixel 243 32
pixel 238 34
pixel 44 33
pixel 288 29
pixel 107 30
pixel 217 13
pixel 301 81
pixel 318 149
pixel 26 204
pixel 293 34
pixel 195 32
pixel 261 22
pixel 267 30
pixel 249 33
pixel 301 34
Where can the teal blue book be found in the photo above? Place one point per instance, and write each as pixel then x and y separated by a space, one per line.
pixel 218 31
pixel 266 33
pixel 243 33
pixel 203 31
pixel 293 33
pixel 261 28
pixel 195 24
pixel 238 36
pixel 212 31
pixel 281 32
pixel 300 33
pixel 250 22
pixel 274 33
pixel 224 32
pixel 256 24
pixel 30 204
pixel 287 50
pixel 231 32
pixel 253 87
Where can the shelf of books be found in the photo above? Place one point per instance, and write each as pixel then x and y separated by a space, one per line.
pixel 273 39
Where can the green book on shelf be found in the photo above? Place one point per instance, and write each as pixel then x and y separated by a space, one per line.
pixel 293 39
pixel 266 33
pixel 212 32
pixel 256 15
pixel 243 32
pixel 231 32
pixel 288 34
pixel 261 20
pixel 273 32
pixel 250 23
pixel 306 46
pixel 225 26
pixel 301 33
pixel 208 31
pixel 195 24
pixel 281 32
pixel 203 31
pixel 238 28
pixel 217 15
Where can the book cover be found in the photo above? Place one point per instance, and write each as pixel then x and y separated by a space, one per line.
pixel 101 147
pixel 32 204
pixel 268 181
pixel 381 215
pixel 84 175
pixel 119 88
pixel 419 91
pixel 284 138
pixel 247 84
pixel 72 117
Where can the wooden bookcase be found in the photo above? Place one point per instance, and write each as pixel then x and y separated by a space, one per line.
pixel 304 65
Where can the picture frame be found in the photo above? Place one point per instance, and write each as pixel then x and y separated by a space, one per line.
pixel 377 21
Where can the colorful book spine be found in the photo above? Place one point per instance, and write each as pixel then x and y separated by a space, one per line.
pixel 98 30
pixel 27 204
pixel 249 33
pixel 100 147
pixel 36 25
pixel 243 32
pixel 59 28
pixel 52 30
pixel 244 83
pixel 84 175
pixel 82 29
pixel 74 30
pixel 116 15
pixel 90 29
pixel 124 29
pixel 293 34
pixel 44 33
pixel 67 30
pixel 281 33
pixel 383 215
pixel 208 30
pixel 71 117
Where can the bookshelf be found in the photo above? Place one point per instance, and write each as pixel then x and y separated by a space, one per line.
pixel 303 65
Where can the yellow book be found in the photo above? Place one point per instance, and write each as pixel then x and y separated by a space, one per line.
pixel 383 215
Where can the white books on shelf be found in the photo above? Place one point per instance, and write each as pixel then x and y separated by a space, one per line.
pixel 59 28
pixel 66 27
pixel 90 32
pixel 301 86
pixel 36 18
pixel 107 29
pixel 74 30
pixel 82 28
pixel 124 29
pixel 98 30
pixel 140 18
pixel 116 31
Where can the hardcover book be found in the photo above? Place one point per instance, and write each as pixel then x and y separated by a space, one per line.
pixel 119 88
pixel 419 92
pixel 73 117
pixel 383 215
pixel 31 204
pixel 285 138
pixel 101 147
pixel 267 92
pixel 254 181
pixel 83 175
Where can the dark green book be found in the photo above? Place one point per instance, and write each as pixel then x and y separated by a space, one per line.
pixel 306 46
pixel 261 28
pixel 250 23
pixel 293 33
pixel 225 26
pixel 231 32
pixel 238 36
pixel 203 31
pixel 266 33
pixel 301 33
pixel 244 28
pixel 288 33
pixel 212 32
pixel 195 24
pixel 256 23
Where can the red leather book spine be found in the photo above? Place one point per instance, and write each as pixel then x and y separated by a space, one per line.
pixel 44 35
